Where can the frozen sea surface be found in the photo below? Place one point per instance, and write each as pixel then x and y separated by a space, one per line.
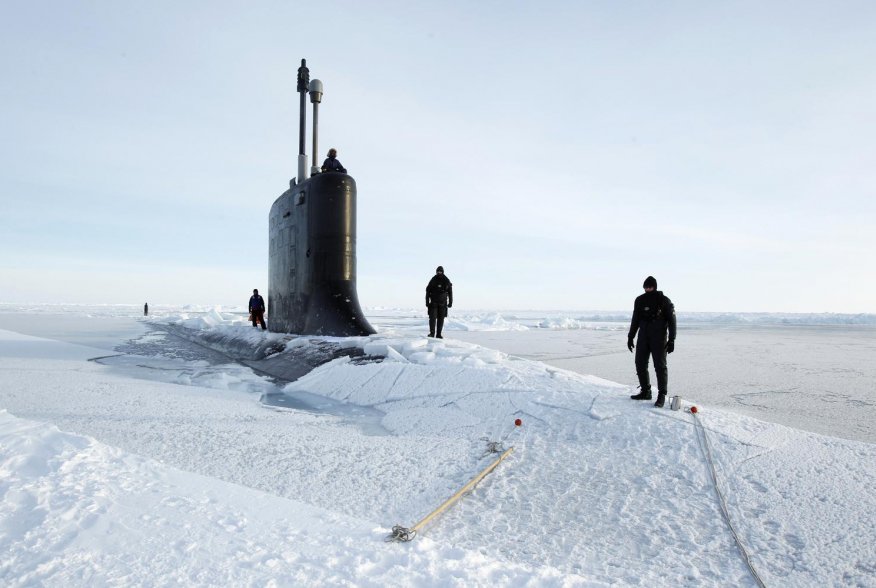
pixel 780 368
pixel 811 372
pixel 165 469
pixel 820 379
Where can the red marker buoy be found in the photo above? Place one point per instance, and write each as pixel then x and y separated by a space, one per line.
pixel 693 409
pixel 517 422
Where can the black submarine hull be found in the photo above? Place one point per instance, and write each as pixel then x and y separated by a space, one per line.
pixel 312 259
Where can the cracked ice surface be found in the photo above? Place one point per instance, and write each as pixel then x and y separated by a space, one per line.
pixel 119 474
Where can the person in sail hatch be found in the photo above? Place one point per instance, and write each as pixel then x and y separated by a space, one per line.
pixel 439 297
pixel 331 162
pixel 654 319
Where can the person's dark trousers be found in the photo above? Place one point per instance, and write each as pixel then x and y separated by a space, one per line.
pixel 652 344
pixel 436 320
pixel 258 316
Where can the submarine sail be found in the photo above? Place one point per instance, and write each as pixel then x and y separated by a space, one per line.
pixel 312 247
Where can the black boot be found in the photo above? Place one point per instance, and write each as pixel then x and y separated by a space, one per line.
pixel 643 395
pixel 661 398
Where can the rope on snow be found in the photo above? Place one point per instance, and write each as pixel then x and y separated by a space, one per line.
pixel 400 533
pixel 703 440
pixel 403 534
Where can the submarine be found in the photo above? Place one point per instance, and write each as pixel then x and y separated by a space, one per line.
pixel 312 243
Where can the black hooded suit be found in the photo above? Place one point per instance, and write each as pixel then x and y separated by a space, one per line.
pixel 654 319
pixel 439 297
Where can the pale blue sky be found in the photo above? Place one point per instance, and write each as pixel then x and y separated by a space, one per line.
pixel 549 155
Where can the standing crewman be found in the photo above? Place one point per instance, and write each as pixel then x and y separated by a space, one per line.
pixel 654 319
pixel 257 309
pixel 439 297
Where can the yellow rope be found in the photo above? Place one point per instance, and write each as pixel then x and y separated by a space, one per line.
pixel 401 534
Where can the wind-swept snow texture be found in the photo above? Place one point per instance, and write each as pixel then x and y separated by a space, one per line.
pixel 174 473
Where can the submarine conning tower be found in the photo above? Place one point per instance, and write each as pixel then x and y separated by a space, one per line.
pixel 312 248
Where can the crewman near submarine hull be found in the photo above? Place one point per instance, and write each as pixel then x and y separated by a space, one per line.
pixel 257 310
pixel 439 297
pixel 654 319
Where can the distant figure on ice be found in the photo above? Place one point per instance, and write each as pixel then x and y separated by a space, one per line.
pixel 331 162
pixel 653 316
pixel 146 309
pixel 257 309
pixel 439 297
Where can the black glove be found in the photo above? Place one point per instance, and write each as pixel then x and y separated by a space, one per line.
pixel 450 305
pixel 670 346
pixel 630 344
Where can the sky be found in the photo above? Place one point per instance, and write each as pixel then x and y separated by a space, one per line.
pixel 548 156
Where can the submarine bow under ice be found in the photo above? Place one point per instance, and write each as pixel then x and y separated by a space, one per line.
pixel 312 250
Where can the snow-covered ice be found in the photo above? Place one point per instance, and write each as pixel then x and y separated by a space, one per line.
pixel 164 467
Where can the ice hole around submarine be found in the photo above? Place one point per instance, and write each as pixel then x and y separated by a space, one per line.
pixel 175 349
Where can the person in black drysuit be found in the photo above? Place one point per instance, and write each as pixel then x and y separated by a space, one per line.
pixel 654 319
pixel 257 309
pixel 331 162
pixel 439 297
pixel 146 309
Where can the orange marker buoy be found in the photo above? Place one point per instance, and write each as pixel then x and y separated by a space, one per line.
pixel 517 422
